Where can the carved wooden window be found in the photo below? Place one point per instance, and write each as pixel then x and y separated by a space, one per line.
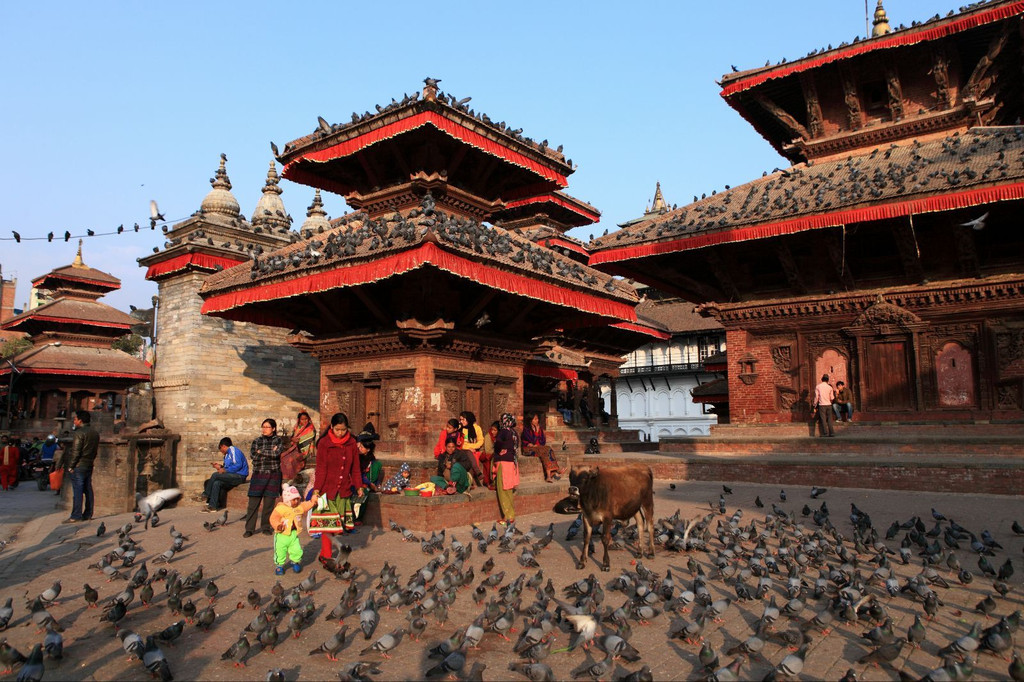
pixel 954 376
pixel 876 98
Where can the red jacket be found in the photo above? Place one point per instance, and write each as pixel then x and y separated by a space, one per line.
pixel 439 448
pixel 337 466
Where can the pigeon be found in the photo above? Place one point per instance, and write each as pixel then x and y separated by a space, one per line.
pixel 536 672
pixel 53 644
pixel 155 661
pixel 268 637
pixel 50 594
pixel 452 664
pixel 32 669
pixel 132 644
pixel 154 502
pixel 101 530
pixel 887 653
pixel 171 632
pixel 6 613
pixel 332 646
pixel 978 223
pixel 368 618
pixel 385 643
pixel 237 652
pixel 595 670
pixel 358 671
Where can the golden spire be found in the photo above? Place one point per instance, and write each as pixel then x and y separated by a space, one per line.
pixel 78 262
pixel 881 22
pixel 659 205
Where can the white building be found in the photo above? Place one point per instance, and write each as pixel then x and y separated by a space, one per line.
pixel 654 383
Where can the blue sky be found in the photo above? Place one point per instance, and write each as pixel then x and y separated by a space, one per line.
pixel 110 105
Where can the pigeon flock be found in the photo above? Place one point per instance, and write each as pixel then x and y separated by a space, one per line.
pixel 898 172
pixel 760 588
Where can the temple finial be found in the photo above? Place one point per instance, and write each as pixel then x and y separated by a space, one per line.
pixel 659 205
pixel 880 22
pixel 78 262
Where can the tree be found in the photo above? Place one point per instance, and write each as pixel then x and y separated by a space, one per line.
pixel 129 343
pixel 11 347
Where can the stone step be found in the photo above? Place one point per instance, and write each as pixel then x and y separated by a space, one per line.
pixel 874 429
pixel 571 435
pixel 448 511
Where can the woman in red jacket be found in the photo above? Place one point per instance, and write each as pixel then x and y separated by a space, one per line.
pixel 337 477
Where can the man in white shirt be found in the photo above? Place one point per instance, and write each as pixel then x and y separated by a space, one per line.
pixel 824 396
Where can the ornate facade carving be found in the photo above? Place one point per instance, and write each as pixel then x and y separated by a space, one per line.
pixel 395 398
pixel 940 72
pixel 500 402
pixel 1009 291
pixel 1008 397
pixel 885 318
pixel 814 124
pixel 852 100
pixel 895 91
pixel 782 357
pixel 1009 348
pixel 451 401
pixel 785 398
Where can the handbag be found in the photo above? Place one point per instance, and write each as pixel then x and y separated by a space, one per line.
pixel 292 462
pixel 56 479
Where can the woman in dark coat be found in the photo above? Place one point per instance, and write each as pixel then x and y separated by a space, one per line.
pixel 506 467
pixel 338 476
pixel 265 485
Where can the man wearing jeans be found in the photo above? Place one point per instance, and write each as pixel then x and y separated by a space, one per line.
pixel 79 463
pixel 233 471
pixel 843 406
pixel 824 396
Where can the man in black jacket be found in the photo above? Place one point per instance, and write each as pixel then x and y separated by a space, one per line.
pixel 79 462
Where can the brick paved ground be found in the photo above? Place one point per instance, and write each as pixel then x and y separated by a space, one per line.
pixel 43 550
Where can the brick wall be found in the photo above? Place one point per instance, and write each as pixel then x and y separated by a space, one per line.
pixel 216 378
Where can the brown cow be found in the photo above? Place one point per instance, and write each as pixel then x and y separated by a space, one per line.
pixel 614 492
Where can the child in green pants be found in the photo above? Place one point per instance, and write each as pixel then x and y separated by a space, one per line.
pixel 287 522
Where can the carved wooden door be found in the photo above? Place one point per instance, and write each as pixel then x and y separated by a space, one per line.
pixel 887 374
pixel 474 404
pixel 371 403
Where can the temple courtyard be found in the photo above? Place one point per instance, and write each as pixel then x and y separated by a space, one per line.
pixel 40 549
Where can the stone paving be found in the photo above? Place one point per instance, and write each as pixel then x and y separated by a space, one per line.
pixel 40 549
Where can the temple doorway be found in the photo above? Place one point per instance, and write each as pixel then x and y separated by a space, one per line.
pixel 887 376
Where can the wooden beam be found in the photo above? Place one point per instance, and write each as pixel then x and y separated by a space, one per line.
pixel 374 309
pixel 484 300
pixel 370 173
pixel 910 252
pixel 720 272
pixel 521 317
pixel 979 81
pixel 789 268
pixel 782 116
pixel 326 312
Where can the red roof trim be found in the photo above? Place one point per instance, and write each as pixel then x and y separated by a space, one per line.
pixel 550 372
pixel 945 202
pixel 182 262
pixel 84 280
pixel 77 373
pixel 406 261
pixel 69 320
pixel 565 243
pixel 445 125
pixel 641 329
pixel 558 201
pixel 898 39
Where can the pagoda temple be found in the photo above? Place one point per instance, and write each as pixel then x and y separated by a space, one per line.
pixel 71 364
pixel 414 305
pixel 889 254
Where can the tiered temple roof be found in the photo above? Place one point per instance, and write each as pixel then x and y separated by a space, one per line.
pixel 72 334
pixel 363 250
